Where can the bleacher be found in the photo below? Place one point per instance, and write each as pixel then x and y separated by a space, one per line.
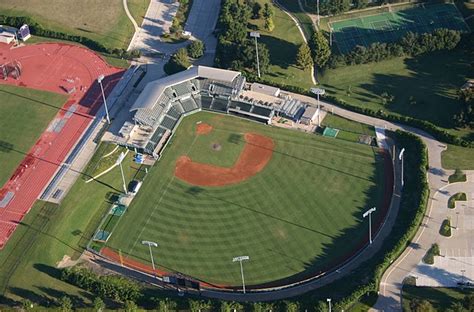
pixel 241 106
pixel 178 107
pixel 168 123
pixel 189 104
pixel 262 111
pixel 206 101
pixel 173 112
pixel 220 104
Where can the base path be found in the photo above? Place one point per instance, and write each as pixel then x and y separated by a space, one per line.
pixel 255 156
pixel 56 68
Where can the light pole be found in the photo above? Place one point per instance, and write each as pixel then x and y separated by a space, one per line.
pixel 99 80
pixel 318 92
pixel 151 244
pixel 329 304
pixel 240 259
pixel 463 271
pixel 400 156
pixel 256 34
pixel 317 10
pixel 457 219
pixel 119 163
pixel 369 213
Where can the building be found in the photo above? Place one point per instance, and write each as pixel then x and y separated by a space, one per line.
pixel 310 115
pixel 7 34
pixel 161 105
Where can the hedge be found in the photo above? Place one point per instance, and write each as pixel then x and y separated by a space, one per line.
pixel 38 30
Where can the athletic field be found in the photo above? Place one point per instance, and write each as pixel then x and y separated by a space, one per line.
pixel 25 113
pixel 296 209
pixel 391 26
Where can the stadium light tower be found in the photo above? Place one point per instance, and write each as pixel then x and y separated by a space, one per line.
pixel 400 156
pixel 369 213
pixel 119 163
pixel 317 11
pixel 256 34
pixel 151 244
pixel 240 259
pixel 99 80
pixel 329 304
pixel 318 92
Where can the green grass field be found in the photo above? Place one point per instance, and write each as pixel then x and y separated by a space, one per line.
pixel 103 21
pixel 420 89
pixel 300 214
pixel 440 298
pixel 458 157
pixel 283 43
pixel 50 232
pixel 25 114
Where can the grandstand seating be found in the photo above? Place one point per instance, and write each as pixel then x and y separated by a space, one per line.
pixel 168 123
pixel 206 102
pixel 220 104
pixel 172 112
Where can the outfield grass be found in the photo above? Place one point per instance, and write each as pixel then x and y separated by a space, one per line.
pixel 421 90
pixel 102 21
pixel 301 213
pixel 458 157
pixel 49 232
pixel 24 115
pixel 440 298
pixel 283 43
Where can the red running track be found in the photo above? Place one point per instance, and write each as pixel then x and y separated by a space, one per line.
pixel 57 68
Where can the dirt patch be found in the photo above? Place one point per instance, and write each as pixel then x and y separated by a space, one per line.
pixel 255 155
pixel 203 128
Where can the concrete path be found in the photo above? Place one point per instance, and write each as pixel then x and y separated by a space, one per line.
pixel 306 40
pixel 201 23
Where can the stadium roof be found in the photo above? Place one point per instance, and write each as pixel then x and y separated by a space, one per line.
pixel 153 90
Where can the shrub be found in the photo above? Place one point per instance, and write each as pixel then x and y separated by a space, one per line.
pixel 445 229
pixel 178 62
pixel 457 176
pixel 458 196
pixel 196 49
pixel 429 256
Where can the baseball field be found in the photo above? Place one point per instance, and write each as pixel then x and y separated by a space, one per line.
pixel 25 114
pixel 228 187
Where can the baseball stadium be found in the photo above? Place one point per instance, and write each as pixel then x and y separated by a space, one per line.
pixel 228 182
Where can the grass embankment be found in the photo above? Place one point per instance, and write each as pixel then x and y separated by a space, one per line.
pixel 456 197
pixel 305 21
pixel 458 157
pixel 24 115
pixel 283 43
pixel 292 207
pixel 49 232
pixel 440 298
pixel 138 9
pixel 103 21
pixel 420 90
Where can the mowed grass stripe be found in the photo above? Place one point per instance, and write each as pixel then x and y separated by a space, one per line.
pixel 299 214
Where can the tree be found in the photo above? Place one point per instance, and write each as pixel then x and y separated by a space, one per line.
pixel 457 307
pixel 230 306
pixel 167 305
pixel 65 304
pixel 268 11
pixel 196 49
pixel 303 58
pixel 468 302
pixel 334 7
pixel 360 4
pixel 320 48
pixel 291 306
pixel 321 306
pixel 130 306
pixel 257 10
pixel 246 58
pixel 99 304
pixel 178 62
pixel 269 25
pixel 26 304
pixel 199 305
pixel 417 305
